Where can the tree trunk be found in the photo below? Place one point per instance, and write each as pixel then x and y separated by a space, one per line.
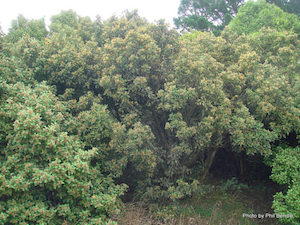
pixel 191 159
pixel 239 162
pixel 208 162
pixel 161 135
pixel 241 167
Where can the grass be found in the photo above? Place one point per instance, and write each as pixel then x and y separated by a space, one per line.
pixel 216 206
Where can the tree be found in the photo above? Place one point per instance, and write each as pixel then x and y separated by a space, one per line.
pixel 290 6
pixel 210 102
pixel 69 22
pixel 22 26
pixel 285 171
pixel 13 69
pixel 71 62
pixel 117 146
pixel 1 37
pixel 1 32
pixel 137 56
pixel 46 175
pixel 206 15
pixel 134 103
pixel 277 46
pixel 64 19
pixel 67 62
pixel 255 15
pixel 211 15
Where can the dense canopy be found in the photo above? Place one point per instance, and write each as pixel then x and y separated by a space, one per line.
pixel 94 112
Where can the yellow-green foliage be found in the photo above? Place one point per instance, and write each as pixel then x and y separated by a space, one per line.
pixel 254 15
pixel 46 175
pixel 285 170
pixel 135 104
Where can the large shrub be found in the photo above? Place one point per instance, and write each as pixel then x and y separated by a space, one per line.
pixel 286 171
pixel 253 16
pixel 46 175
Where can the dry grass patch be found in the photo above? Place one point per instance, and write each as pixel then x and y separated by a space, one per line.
pixel 138 214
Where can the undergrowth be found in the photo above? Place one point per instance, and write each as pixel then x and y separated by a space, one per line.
pixel 222 203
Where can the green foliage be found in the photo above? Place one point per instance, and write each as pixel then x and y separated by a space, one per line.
pixel 69 22
pixel 1 32
pixel 255 15
pixel 21 26
pixel 136 104
pixel 67 62
pixel 286 171
pixel 1 38
pixel 46 176
pixel 280 49
pixel 278 46
pixel 206 107
pixel 26 49
pixel 206 15
pixel 64 19
pixel 233 185
pixel 118 27
pixel 136 59
pixel 290 6
pixel 14 70
pixel 183 189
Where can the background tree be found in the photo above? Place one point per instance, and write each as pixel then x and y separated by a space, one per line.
pixel 206 15
pixel 211 15
pixel 70 22
pixel 255 15
pixel 21 26
pixel 1 32
pixel 1 37
pixel 290 6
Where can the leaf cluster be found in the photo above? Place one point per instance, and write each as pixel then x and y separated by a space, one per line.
pixel 94 107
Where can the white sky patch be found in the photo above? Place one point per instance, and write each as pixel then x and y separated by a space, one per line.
pixel 153 10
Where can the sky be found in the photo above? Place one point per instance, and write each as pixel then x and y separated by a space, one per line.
pixel 35 9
